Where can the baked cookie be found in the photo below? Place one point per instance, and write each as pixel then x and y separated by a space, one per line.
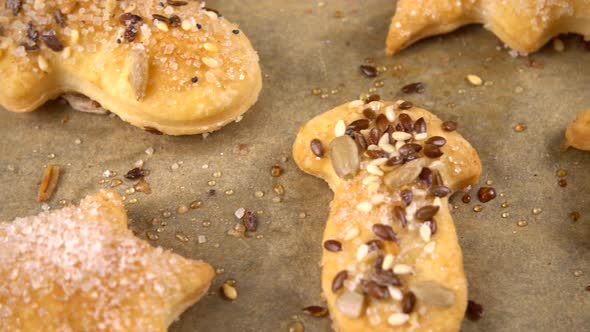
pixel 577 134
pixel 523 25
pixel 391 258
pixel 81 269
pixel 173 66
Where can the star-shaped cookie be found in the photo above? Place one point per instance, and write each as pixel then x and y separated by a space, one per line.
pixel 81 269
pixel 523 25
pixel 577 134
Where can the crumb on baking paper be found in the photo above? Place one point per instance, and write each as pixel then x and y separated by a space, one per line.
pixel 48 183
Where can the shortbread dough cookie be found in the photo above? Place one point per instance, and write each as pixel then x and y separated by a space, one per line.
pixel 577 134
pixel 391 258
pixel 523 25
pixel 81 269
pixel 173 66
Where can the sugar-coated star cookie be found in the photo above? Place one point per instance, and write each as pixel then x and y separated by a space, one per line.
pixel 81 269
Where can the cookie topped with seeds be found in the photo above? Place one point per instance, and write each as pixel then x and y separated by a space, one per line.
pixel 173 66
pixel 391 258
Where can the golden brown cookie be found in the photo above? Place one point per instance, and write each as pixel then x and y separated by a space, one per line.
pixel 577 134
pixel 81 269
pixel 523 25
pixel 173 66
pixel 391 259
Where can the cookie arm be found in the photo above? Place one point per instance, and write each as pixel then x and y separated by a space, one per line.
pixel 577 134
pixel 418 19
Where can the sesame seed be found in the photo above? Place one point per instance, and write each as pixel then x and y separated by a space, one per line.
pixel 355 104
pixel 229 291
pixel 351 234
pixel 375 105
pixel 362 252
pixel 43 64
pixel 387 262
pixel 390 113
pixel 398 319
pixel 395 293
pixel 195 79
pixel 474 80
pixel 425 232
pixel 210 47
pixel 211 63
pixel 377 199
pixel 402 269
pixel 235 31
pixel 401 136
pixel 186 25
pixel 340 128
pixel 74 36
pixel 212 14
pixel 162 26
pixel 374 169
pixel 364 207
pixel 420 136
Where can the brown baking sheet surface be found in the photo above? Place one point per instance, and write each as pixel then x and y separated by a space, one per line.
pixel 527 278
